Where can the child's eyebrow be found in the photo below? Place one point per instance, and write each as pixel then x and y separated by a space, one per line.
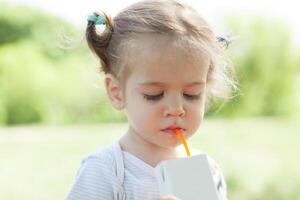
pixel 157 83
pixel 152 83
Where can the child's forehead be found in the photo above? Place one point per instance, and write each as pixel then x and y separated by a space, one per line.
pixel 162 72
pixel 162 57
pixel 157 75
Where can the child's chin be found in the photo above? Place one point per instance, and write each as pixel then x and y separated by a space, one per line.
pixel 173 144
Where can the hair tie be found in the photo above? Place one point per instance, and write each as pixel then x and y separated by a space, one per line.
pixel 96 19
pixel 225 39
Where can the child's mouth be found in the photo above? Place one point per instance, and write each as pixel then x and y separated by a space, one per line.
pixel 172 131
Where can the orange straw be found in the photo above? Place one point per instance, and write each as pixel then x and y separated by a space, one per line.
pixel 181 137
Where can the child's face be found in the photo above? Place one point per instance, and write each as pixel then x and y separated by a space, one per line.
pixel 163 94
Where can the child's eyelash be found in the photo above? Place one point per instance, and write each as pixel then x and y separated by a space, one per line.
pixel 192 97
pixel 159 96
pixel 153 97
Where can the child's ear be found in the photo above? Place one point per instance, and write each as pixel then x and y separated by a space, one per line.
pixel 114 92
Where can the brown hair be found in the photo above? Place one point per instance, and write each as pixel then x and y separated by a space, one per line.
pixel 159 17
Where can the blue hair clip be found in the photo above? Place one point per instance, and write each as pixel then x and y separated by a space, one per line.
pixel 96 19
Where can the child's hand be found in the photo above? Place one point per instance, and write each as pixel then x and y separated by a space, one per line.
pixel 169 197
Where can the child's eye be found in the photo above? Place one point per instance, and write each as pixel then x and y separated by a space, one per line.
pixel 153 97
pixel 192 96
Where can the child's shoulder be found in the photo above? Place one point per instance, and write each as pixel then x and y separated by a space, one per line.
pixel 97 176
pixel 102 155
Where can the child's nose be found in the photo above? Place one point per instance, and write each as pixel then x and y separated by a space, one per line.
pixel 174 108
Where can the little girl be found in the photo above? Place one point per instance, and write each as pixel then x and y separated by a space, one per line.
pixel 161 62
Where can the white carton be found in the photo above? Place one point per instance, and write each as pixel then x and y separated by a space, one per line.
pixel 187 178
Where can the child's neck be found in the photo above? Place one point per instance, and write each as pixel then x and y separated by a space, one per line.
pixel 148 152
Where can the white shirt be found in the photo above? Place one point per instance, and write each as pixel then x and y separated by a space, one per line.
pixel 110 173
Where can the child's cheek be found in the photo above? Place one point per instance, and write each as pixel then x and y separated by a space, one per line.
pixel 141 115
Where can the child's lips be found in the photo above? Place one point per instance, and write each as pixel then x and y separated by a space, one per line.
pixel 172 131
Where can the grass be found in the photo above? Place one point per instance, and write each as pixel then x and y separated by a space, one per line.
pixel 258 157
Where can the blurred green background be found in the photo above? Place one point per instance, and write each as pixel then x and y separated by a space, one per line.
pixel 53 108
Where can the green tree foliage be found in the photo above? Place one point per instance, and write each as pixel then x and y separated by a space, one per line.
pixel 42 79
pixel 266 62
pixel 20 23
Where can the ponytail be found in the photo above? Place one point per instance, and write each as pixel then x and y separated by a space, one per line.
pixel 98 40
